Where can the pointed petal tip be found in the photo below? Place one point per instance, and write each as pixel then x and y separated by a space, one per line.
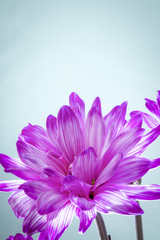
pixel 124 104
pixel 133 113
pixel 97 100
pixel 155 163
pixel 73 95
pixel 50 116
pixel 158 94
pixel 88 151
pixel 2 157
pixel 97 104
pixel 75 99
pixel 63 111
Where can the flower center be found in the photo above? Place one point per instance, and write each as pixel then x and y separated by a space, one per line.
pixel 91 196
pixel 93 181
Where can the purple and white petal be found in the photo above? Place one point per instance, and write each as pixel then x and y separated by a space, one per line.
pixel 145 141
pixel 32 156
pixel 138 192
pixel 115 119
pixel 152 106
pixel 122 144
pixel 81 202
pixel 34 188
pixel 85 166
pixel 158 98
pixel 134 122
pixel 78 106
pixel 51 125
pixel 59 163
pixel 97 104
pixel 76 186
pixel 43 235
pixel 36 136
pixel 130 170
pixel 95 130
pixel 18 168
pixel 155 163
pixel 59 220
pixel 10 185
pixel 70 135
pixel 86 217
pixel 150 121
pixel 9 162
pixel 34 222
pixel 53 200
pixel 19 236
pixel 20 203
pixel 108 171
pixel 117 202
pixel 54 178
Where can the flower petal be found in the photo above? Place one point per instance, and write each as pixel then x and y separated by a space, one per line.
pixel 82 203
pixel 78 106
pixel 76 186
pixel 32 156
pixel 97 104
pixel 145 141
pixel 152 106
pixel 134 122
pixel 53 200
pixel 60 164
pixel 10 185
pixel 19 236
pixel 43 235
pixel 86 217
pixel 59 220
pixel 158 98
pixel 150 121
pixel 34 188
pixel 145 192
pixel 108 171
pixel 36 136
pixel 155 163
pixel 122 144
pixel 130 170
pixel 116 202
pixel 85 166
pixel 20 203
pixel 8 162
pixel 115 119
pixel 51 125
pixel 70 135
pixel 95 130
pixel 18 168
pixel 34 222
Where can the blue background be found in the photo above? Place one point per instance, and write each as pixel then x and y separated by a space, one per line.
pixel 99 48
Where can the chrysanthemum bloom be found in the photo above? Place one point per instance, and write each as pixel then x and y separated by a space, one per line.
pixel 154 108
pixel 79 166
pixel 19 236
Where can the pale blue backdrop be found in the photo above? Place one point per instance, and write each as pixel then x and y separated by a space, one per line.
pixel 100 48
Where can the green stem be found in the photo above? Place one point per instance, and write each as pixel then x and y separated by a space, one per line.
pixel 139 227
pixel 101 228
pixel 138 219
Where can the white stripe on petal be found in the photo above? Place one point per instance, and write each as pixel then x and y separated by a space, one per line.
pixel 10 185
pixel 59 220
pixel 20 203
pixel 34 222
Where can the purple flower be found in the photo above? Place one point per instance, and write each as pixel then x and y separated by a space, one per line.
pixel 154 108
pixel 79 166
pixel 19 236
